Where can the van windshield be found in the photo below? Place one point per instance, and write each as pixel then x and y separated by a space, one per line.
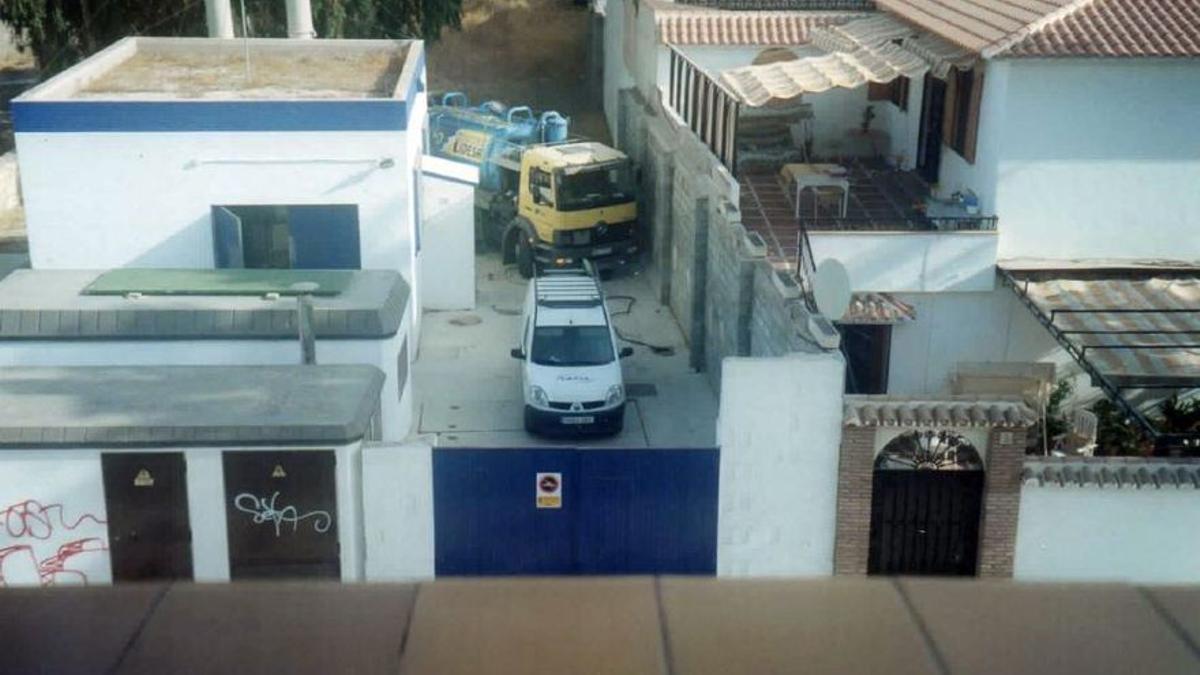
pixel 571 346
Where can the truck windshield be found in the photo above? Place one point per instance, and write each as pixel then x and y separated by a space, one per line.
pixel 571 346
pixel 594 187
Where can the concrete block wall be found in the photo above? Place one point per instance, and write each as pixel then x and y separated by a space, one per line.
pixel 685 207
pixel 709 271
pixel 775 308
pixel 729 291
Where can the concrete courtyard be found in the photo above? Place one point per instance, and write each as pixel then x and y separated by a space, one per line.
pixel 469 387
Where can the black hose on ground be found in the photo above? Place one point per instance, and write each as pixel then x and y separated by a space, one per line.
pixel 661 350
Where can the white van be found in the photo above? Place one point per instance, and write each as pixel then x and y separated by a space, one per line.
pixel 571 368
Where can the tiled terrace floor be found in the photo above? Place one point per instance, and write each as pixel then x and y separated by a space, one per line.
pixel 881 198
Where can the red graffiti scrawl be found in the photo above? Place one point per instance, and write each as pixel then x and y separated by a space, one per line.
pixel 52 570
pixel 31 518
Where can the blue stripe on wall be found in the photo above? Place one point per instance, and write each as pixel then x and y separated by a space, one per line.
pixel 166 116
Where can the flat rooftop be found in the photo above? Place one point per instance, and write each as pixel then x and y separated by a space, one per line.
pixel 186 405
pixel 197 304
pixel 676 626
pixel 159 69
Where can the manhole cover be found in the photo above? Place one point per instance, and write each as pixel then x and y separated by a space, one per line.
pixel 640 390
pixel 466 320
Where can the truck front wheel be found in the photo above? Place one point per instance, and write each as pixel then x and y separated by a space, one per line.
pixel 525 260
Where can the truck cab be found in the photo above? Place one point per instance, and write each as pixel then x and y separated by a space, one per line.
pixel 570 361
pixel 577 201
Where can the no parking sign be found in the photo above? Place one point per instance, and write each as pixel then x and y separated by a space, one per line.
pixel 548 490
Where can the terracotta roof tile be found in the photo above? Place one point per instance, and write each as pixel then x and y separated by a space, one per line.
pixel 744 28
pixel 1119 28
pixel 1060 27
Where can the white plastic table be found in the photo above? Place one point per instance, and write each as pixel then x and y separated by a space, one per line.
pixel 818 176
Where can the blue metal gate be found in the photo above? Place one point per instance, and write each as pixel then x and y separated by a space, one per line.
pixel 621 511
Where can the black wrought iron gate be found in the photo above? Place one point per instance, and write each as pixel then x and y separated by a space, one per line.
pixel 925 522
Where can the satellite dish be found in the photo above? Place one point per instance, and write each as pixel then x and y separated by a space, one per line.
pixel 831 289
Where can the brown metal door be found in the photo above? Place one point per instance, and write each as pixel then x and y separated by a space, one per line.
pixel 149 534
pixel 281 510
pixel 925 522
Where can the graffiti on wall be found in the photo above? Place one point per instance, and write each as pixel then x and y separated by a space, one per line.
pixel 263 510
pixel 35 554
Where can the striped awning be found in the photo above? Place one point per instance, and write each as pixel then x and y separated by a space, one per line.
pixel 955 411
pixel 877 309
pixel 875 49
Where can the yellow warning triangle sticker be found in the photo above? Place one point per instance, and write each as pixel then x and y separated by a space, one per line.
pixel 278 472
pixel 143 479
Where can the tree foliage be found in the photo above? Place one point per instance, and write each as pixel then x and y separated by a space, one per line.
pixel 62 32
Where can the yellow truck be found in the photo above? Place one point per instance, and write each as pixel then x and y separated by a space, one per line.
pixel 544 200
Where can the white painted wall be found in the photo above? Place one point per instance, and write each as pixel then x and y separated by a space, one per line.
pixel 1100 158
pixel 910 261
pixel 955 173
pixel 902 126
pixel 103 200
pixel 1091 534
pixel 955 327
pixel 779 431
pixel 616 74
pixel 1087 158
pixel 48 500
pixel 67 489
pixel 398 520
pixel 10 185
pixel 397 411
pixel 448 234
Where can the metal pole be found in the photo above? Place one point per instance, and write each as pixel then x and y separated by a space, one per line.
pixel 220 18
pixel 308 342
pixel 299 20
pixel 304 321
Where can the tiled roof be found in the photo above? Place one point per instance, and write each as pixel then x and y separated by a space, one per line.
pixel 1121 472
pixel 951 411
pixel 1060 27
pixel 877 309
pixel 714 27
pixel 1119 28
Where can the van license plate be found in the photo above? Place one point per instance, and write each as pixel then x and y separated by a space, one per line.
pixel 585 419
pixel 603 251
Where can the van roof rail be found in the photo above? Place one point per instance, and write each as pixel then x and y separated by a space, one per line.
pixel 567 289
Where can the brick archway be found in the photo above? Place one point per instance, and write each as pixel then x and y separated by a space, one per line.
pixel 869 419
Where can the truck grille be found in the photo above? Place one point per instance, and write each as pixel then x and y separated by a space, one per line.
pixel 594 235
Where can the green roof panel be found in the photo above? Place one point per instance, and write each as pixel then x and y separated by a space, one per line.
pixel 219 282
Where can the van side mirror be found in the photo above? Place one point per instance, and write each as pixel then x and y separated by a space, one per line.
pixel 625 351
pixel 518 354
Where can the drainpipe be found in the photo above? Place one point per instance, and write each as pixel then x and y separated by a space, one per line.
pixel 220 18
pixel 299 20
